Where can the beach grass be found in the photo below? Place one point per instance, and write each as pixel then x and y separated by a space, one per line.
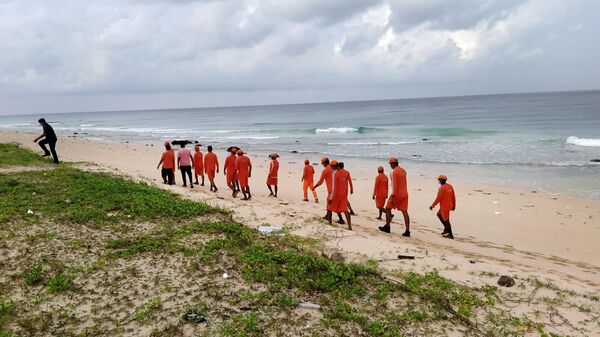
pixel 106 256
pixel 14 155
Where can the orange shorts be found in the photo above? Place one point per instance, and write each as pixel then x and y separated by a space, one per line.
pixel 380 201
pixel 272 181
pixel 243 178
pixel 199 170
pixel 399 203
pixel 444 214
pixel 210 174
pixel 339 205
pixel 230 177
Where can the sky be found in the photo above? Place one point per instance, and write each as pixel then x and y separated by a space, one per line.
pixel 69 55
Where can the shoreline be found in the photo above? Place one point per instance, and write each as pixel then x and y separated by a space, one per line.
pixel 538 234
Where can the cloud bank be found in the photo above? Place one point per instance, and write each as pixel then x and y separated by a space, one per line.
pixel 80 51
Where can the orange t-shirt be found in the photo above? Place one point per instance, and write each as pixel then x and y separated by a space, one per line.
pixel 198 163
pixel 445 198
pixel 168 158
pixel 242 164
pixel 381 186
pixel 230 164
pixel 326 176
pixel 341 181
pixel 273 168
pixel 309 173
pixel 399 188
pixel 211 163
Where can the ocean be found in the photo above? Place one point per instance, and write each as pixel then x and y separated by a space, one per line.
pixel 535 140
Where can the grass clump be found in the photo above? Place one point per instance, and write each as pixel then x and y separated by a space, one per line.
pixel 244 325
pixel 35 275
pixel 145 313
pixel 58 283
pixel 14 155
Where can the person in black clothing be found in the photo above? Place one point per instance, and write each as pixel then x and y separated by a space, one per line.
pixel 49 138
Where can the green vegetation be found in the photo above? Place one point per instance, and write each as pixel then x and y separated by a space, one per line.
pixel 74 196
pixel 35 275
pixel 14 155
pixel 114 255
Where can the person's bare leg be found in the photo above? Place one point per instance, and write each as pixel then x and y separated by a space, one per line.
pixel 202 180
pixel 406 220
pixel 350 209
pixel 340 219
pixel 276 191
pixel 388 216
pixel 196 177
pixel 380 213
pixel 329 217
pixel 248 191
pixel 270 190
pixel 348 220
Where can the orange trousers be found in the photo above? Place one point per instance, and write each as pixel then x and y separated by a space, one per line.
pixel 311 185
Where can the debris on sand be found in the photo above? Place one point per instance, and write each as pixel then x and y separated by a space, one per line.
pixel 506 281
pixel 194 317
pixel 309 305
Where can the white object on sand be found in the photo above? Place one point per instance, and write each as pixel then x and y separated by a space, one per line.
pixel 495 202
pixel 309 305
pixel 497 213
pixel 30 212
pixel 225 275
pixel 268 229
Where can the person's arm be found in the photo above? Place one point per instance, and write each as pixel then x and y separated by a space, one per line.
pixel 333 186
pixel 40 137
pixel 437 199
pixel 162 159
pixel 453 200
pixel 178 161
pixel 249 168
pixel 321 179
pixel 350 182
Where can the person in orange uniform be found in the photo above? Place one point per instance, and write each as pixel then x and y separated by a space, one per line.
pixel 229 171
pixel 272 177
pixel 168 165
pixel 380 191
pixel 243 169
pixel 308 181
pixel 326 176
pixel 447 200
pixel 198 164
pixel 211 165
pixel 398 199
pixel 338 199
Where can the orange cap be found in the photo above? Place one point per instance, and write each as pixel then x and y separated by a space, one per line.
pixel 306 161
pixel 167 143
pixel 333 163
pixel 380 168
pixel 393 160
pixel 197 146
pixel 274 155
pixel 240 151
pixel 442 177
pixel 324 159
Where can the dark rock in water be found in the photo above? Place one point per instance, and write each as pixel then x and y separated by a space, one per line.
pixel 595 160
pixel 506 281
pixel 297 141
pixel 424 138
pixel 294 151
pixel 417 155
pixel 75 133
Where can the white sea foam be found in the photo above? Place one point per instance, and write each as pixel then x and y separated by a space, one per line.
pixel 372 143
pixel 583 141
pixel 86 125
pixel 337 130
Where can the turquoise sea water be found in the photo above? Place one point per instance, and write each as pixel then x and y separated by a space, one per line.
pixel 543 140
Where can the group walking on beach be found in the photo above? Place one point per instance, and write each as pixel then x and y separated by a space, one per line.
pixel 338 181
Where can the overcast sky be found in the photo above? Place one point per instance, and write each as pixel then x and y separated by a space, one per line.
pixel 68 55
